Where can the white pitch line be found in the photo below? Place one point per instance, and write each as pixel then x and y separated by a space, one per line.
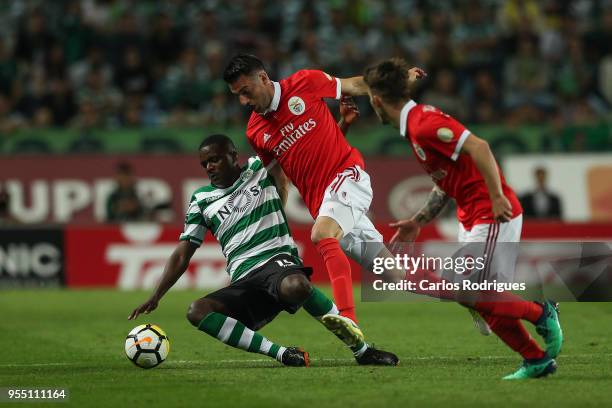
pixel 335 360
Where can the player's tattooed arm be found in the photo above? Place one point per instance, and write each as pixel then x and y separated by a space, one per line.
pixel 408 230
pixel 436 201
pixel 282 182
pixel 349 112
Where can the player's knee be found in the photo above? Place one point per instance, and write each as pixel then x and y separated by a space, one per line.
pixel 324 231
pixel 295 289
pixel 199 309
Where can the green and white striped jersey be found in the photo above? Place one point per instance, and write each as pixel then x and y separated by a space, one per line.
pixel 246 218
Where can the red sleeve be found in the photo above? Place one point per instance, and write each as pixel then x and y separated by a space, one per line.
pixel 321 84
pixel 265 156
pixel 441 132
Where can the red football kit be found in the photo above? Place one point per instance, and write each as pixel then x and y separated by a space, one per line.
pixel 436 139
pixel 299 132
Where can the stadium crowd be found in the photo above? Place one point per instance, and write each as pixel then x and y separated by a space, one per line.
pixel 121 63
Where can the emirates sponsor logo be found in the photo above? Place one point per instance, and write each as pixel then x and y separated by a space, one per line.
pixel 291 134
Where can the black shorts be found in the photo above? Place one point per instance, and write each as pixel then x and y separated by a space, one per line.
pixel 254 300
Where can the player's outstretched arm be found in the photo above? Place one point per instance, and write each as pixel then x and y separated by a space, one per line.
pixel 349 112
pixel 282 182
pixel 356 86
pixel 408 230
pixel 175 267
pixel 484 160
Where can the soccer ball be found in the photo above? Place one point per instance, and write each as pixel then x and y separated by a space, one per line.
pixel 147 346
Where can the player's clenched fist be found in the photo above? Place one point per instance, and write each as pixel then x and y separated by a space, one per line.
pixel 416 73
pixel 502 209
pixel 348 109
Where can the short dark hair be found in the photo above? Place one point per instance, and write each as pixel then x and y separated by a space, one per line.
pixel 217 139
pixel 242 64
pixel 389 79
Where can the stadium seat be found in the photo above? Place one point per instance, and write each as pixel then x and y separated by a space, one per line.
pixel 159 145
pixel 86 145
pixel 31 145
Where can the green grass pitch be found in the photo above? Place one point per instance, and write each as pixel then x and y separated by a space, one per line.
pixel 74 339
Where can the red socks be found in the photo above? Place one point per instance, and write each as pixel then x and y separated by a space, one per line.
pixel 514 309
pixel 514 334
pixel 339 271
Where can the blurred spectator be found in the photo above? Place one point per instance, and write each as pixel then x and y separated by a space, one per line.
pixel 10 121
pixel 55 62
pixel 218 111
pixel 574 77
pixel 8 70
pixel 598 38
pixel 60 100
pixel 95 60
pixel 105 98
pixel 308 56
pixel 486 99
pixel 440 53
pixel 605 78
pixel 129 33
pixel 76 34
pixel 340 43
pixel 33 38
pixel 123 203
pixel 254 28
pixel 186 83
pixel 443 95
pixel 541 203
pixel 527 80
pixel 206 31
pixel 132 75
pixel 166 41
pixel 35 93
pixel 170 55
pixel 132 112
pixel 88 118
pixel 383 38
pixel 520 15
pixel 5 208
pixel 475 37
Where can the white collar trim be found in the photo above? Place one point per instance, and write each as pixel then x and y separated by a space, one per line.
pixel 275 99
pixel 404 116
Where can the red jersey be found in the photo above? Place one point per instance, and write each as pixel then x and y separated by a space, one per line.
pixel 299 132
pixel 436 139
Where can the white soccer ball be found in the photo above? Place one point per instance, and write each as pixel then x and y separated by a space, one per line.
pixel 147 346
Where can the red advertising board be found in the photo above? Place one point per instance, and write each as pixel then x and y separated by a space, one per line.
pixel 74 189
pixel 133 256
